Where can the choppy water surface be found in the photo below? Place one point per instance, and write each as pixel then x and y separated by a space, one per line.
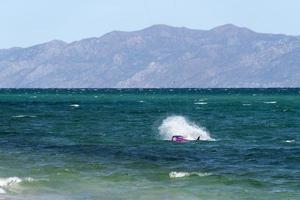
pixel 115 144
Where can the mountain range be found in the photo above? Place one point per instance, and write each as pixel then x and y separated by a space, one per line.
pixel 159 56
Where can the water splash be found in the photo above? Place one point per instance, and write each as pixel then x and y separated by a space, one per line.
pixel 179 125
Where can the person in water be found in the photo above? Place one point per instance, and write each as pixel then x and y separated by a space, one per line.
pixel 179 138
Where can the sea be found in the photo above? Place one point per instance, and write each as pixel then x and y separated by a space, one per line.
pixel 112 144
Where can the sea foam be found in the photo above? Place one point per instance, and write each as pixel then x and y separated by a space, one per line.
pixel 2 191
pixel 186 174
pixel 5 182
pixel 11 181
pixel 179 125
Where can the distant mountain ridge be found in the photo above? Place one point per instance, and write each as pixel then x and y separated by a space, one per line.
pixel 157 56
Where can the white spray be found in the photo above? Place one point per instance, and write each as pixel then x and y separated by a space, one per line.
pixel 179 125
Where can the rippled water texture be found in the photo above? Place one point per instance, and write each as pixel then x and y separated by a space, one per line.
pixel 115 144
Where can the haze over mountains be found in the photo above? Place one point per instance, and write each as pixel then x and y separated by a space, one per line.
pixel 158 56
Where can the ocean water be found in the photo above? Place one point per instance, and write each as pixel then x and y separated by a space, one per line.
pixel 115 144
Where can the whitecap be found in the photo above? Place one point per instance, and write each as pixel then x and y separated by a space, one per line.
pixel 74 105
pixel 22 116
pixel 179 125
pixel 6 182
pixel 200 103
pixel 29 179
pixel 246 104
pixel 19 116
pixel 290 141
pixel 270 102
pixel 186 174
pixel 141 101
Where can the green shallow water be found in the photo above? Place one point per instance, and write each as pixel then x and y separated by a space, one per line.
pixel 106 144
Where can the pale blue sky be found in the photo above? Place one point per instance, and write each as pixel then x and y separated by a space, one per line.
pixel 29 22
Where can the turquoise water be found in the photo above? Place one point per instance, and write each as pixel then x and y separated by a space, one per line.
pixel 114 144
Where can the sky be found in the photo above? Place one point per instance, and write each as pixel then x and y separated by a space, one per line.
pixel 28 22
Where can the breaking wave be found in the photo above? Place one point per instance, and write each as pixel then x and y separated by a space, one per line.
pixel 74 105
pixel 200 103
pixel 186 174
pixel 22 116
pixel 246 104
pixel 290 141
pixel 270 102
pixel 179 125
pixel 11 181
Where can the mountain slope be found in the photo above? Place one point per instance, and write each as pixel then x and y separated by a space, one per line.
pixel 158 56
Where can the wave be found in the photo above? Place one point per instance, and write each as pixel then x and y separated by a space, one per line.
pixel 290 141
pixel 12 181
pixel 22 116
pixel 4 182
pixel 270 102
pixel 179 125
pixel 200 103
pixel 246 104
pixel 186 174
pixel 74 105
